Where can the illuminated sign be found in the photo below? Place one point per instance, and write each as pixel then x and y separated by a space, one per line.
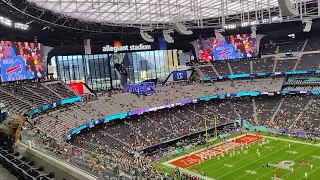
pixel 118 47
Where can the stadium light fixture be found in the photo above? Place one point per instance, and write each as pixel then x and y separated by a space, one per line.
pixel 276 18
pixel 5 21
pixel 21 26
pixel 252 23
pixel 230 26
pixel 245 24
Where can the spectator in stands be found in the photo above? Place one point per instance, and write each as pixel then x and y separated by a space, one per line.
pixel 30 74
pixel 10 130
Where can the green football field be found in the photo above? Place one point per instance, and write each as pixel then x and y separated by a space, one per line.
pixel 250 167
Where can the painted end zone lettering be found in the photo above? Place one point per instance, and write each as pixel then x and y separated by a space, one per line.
pixel 188 161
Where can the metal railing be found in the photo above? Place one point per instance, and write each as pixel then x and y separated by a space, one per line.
pixel 104 167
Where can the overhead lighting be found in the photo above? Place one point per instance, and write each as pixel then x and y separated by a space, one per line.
pixel 5 21
pixel 265 20
pixel 9 23
pixel 245 24
pixel 252 23
pixel 230 26
pixel 21 26
pixel 276 18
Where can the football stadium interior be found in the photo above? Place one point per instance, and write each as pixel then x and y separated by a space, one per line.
pixel 159 89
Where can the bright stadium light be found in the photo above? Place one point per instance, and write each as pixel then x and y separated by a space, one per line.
pixel 9 23
pixel 5 21
pixel 230 26
pixel 21 26
pixel 276 18
pixel 245 24
pixel 252 23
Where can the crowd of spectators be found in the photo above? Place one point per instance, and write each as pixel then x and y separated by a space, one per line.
pixel 111 142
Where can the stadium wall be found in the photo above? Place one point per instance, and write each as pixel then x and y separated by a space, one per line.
pixel 61 170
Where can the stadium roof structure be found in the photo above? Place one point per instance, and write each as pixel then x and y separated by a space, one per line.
pixel 160 14
pixel 58 22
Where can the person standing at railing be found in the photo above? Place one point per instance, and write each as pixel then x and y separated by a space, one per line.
pixel 10 130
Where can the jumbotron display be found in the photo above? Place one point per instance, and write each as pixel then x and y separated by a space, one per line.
pixel 21 60
pixel 232 47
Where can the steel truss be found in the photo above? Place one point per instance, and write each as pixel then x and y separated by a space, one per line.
pixel 158 14
pixel 262 11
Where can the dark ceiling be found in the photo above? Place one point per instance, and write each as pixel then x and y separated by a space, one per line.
pixel 68 31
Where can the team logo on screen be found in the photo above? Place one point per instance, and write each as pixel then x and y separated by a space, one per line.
pixel 14 68
pixel 224 52
pixel 180 75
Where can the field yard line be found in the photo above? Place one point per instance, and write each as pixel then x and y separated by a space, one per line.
pixel 289 140
pixel 232 162
pixel 294 159
pixel 310 172
pixel 195 152
pixel 189 172
pixel 300 167
pixel 252 162
pixel 267 173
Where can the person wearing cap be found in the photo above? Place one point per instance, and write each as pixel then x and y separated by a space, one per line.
pixel 30 73
pixel 39 72
pixel 10 130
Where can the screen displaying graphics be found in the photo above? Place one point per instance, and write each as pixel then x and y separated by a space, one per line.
pixel 21 60
pixel 231 47
pixel 180 75
pixel 141 88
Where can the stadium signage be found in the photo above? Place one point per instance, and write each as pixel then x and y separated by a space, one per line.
pixel 115 49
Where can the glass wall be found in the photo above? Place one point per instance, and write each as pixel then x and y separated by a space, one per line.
pixel 98 71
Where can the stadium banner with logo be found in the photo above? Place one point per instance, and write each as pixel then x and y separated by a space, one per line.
pixel 77 87
pixel 21 60
pixel 180 75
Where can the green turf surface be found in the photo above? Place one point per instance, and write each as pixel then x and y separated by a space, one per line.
pixel 250 166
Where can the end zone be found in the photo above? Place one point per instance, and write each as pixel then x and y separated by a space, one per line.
pixel 212 152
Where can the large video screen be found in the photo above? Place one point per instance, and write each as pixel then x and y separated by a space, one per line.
pixel 21 60
pixel 231 47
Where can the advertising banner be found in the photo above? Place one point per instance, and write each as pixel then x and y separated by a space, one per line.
pixel 77 87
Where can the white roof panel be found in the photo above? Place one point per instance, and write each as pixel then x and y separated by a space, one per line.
pixel 154 11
